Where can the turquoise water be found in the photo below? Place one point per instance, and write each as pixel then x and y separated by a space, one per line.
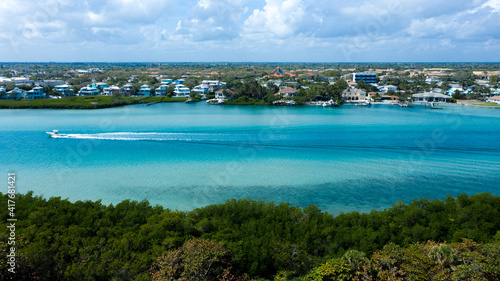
pixel 184 156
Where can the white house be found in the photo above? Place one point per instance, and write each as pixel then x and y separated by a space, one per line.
pixel 109 91
pixel 89 91
pixel 213 84
pixel 144 91
pixel 181 91
pixel 387 88
pixel 64 90
pixel 495 99
pixel 202 89
pixel 21 80
pixel 36 93
pixel 431 97
pixel 162 90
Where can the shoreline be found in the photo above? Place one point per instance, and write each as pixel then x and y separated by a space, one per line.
pixel 102 102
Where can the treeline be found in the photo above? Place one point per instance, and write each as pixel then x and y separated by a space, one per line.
pixel 246 239
pixel 252 92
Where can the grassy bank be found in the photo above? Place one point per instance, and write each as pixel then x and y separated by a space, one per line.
pixel 478 103
pixel 88 102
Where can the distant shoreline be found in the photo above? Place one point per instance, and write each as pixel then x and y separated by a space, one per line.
pixel 102 102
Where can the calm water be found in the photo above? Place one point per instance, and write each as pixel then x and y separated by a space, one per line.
pixel 184 156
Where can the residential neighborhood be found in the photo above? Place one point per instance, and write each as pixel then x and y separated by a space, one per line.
pixel 256 84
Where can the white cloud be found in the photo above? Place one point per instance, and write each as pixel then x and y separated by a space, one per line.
pixel 277 18
pixel 270 28
pixel 212 20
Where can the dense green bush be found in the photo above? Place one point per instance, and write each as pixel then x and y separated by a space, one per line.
pixel 60 240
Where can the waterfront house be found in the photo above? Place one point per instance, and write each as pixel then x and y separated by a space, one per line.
pixel 144 91
pixel 16 94
pixel 224 94
pixel 89 91
pixel 287 92
pixel 202 89
pixel 354 95
pixel 181 91
pixel 110 91
pixel 36 93
pixel 495 99
pixel 162 90
pixel 430 97
pixel 64 90
pixel 127 89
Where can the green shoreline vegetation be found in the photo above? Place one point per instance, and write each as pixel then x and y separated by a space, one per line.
pixel 451 239
pixel 85 102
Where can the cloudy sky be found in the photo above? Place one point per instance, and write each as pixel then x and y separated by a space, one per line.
pixel 250 31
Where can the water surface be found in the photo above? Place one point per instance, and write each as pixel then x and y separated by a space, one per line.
pixel 184 156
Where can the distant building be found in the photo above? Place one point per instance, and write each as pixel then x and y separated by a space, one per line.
pixel 110 91
pixel 127 89
pixel 36 93
pixel 224 94
pixel 144 91
pixel 181 91
pixel 52 83
pixel 385 89
pixel 64 90
pixel 212 84
pixel 278 73
pixel 368 78
pixel 162 90
pixel 100 86
pixel 16 94
pixel 495 99
pixel 166 81
pixel 354 95
pixel 431 97
pixel 202 89
pixel 287 92
pixel 179 81
pixel 21 80
pixel 431 80
pixel 89 91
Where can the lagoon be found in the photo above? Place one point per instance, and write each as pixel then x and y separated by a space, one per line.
pixel 185 156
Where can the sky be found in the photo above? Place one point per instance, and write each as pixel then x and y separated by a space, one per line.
pixel 249 31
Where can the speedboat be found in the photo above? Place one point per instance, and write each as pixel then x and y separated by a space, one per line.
pixel 53 133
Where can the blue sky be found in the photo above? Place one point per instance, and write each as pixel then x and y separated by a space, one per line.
pixel 253 31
